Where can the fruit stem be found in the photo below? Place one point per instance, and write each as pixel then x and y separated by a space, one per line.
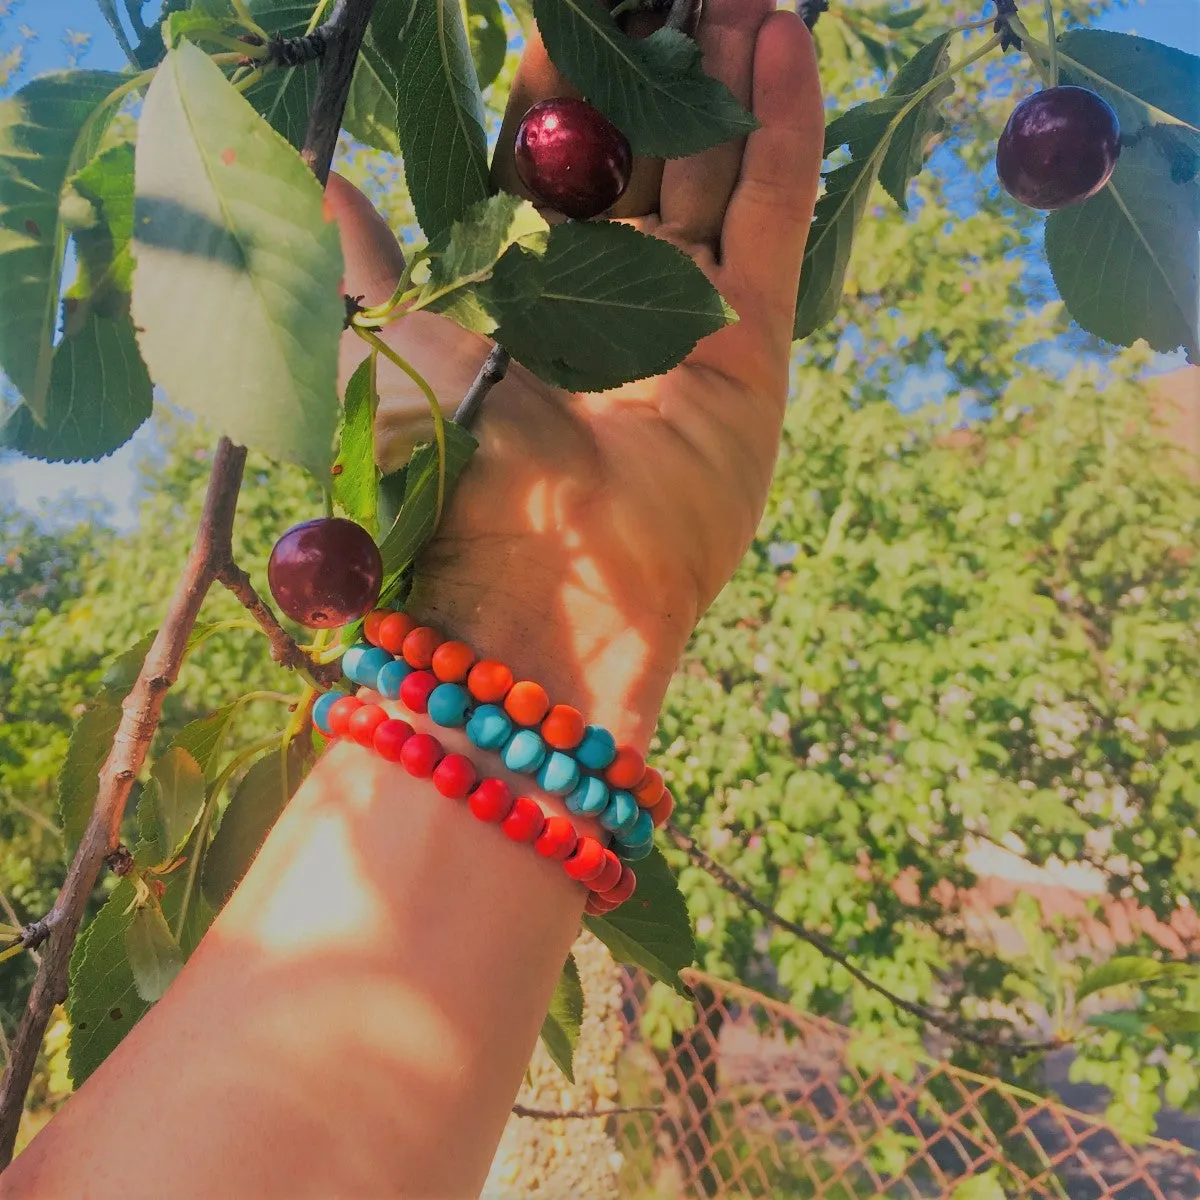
pixel 1048 5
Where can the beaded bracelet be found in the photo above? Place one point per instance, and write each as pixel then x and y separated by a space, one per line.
pixel 609 881
pixel 414 665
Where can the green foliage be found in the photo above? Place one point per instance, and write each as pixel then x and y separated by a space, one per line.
pixel 355 476
pixel 560 1029
pixel 154 955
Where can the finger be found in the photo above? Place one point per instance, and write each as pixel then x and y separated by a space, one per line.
pixel 696 190
pixel 373 258
pixel 769 214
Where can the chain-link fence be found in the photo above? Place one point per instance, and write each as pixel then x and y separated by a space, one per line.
pixel 758 1099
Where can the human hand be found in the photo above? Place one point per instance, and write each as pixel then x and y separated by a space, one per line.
pixel 590 532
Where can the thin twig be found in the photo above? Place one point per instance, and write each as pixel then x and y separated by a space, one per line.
pixel 582 1114
pixel 494 368
pixel 994 1040
pixel 284 649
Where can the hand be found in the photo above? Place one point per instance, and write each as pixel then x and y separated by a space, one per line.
pixel 591 531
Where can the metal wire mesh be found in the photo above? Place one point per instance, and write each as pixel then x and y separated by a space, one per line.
pixel 758 1099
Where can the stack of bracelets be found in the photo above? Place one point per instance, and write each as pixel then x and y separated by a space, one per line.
pixel 415 666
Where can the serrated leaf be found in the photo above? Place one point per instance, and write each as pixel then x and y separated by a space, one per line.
pixel 236 292
pixel 488 38
pixel 1128 969
pixel 154 956
pixel 48 130
pixel 253 810
pixel 355 475
pixel 79 776
pixel 105 261
pixel 560 1029
pixel 121 673
pixel 653 89
pixel 652 928
pixel 1127 261
pixel 178 795
pixel 204 737
pixel 605 304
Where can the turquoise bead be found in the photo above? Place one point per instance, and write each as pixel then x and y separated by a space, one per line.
pixel 320 712
pixel 389 679
pixel 489 727
pixel 364 666
pixel 351 659
pixel 634 853
pixel 620 813
pixel 448 704
pixel 589 798
pixel 524 751
pixel 559 773
pixel 641 832
pixel 597 749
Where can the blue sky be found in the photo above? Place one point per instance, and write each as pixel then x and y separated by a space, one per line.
pixel 39 486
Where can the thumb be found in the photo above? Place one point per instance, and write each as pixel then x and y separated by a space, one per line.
pixel 373 258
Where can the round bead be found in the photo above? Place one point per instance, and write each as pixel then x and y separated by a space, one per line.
pixel 340 712
pixel 660 814
pixel 452 661
pixel 491 801
pixel 526 702
pixel 559 774
pixel 627 769
pixel 416 689
pixel 420 645
pixel 586 861
pixel 641 833
pixel 623 889
pixel 393 629
pixel 489 681
pixel 420 754
pixel 636 853
pixel 320 712
pixel 371 623
pixel 447 704
pixel 557 839
pixel 350 659
pixel 649 789
pixel 609 875
pixel 525 820
pixel 595 907
pixel 366 666
pixel 390 677
pixel 597 749
pixel 589 797
pixel 455 776
pixel 620 813
pixel 524 751
pixel 489 727
pixel 362 724
pixel 563 727
pixel 390 736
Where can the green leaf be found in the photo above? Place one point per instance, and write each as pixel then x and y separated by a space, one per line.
pixel 154 956
pixel 560 1029
pixel 604 305
pixel 1173 1021
pixel 78 778
pixel 488 38
pixel 653 89
pixel 1128 1024
pixel 193 23
pixel 1125 262
pixel 414 525
pixel 979 1187
pixel 103 249
pixel 355 475
pixel 121 673
pixel 284 95
pixel 651 929
pixel 236 292
pixel 48 130
pixel 416 94
pixel 253 810
pixel 1127 969
pixel 204 737
pixel 178 797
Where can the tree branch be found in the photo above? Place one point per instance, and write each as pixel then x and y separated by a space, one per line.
pixel 582 1114
pixel 494 368
pixel 958 1029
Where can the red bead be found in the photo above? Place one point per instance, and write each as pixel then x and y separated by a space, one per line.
pixel 526 702
pixel 392 631
pixel 587 860
pixel 415 690
pixel 563 727
pixel 420 754
pixel 371 624
pixel 390 736
pixel 525 821
pixel 420 645
pixel 455 776
pixel 557 839
pixel 626 770
pixel 624 887
pixel 609 874
pixel 340 712
pixel 649 789
pixel 452 660
pixel 492 800
pixel 597 907
pixel 489 681
pixel 660 814
pixel 363 723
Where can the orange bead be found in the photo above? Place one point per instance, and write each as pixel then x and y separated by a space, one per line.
pixel 650 789
pixel 393 629
pixel 371 624
pixel 526 702
pixel 660 814
pixel 420 645
pixel 489 681
pixel 452 661
pixel 626 770
pixel 563 727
